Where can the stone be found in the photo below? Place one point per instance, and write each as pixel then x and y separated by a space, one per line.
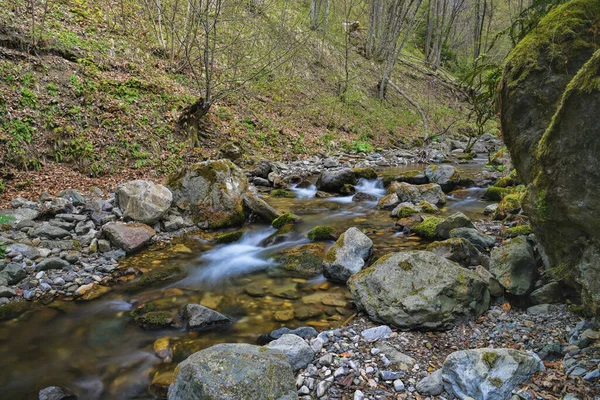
pixel 260 207
pixel 398 385
pixel 303 332
pixel 419 290
pixel 444 175
pixel 13 273
pixel 334 180
pixel 459 250
pixel 493 285
pixel 480 240
pixel 431 192
pixel 129 237
pixel 23 249
pixel 261 169
pixel 73 197
pixel 398 359
pixel 211 192
pixel 413 177
pixel 514 266
pixel 299 353
pixel 488 374
pixel 7 291
pixel 234 371
pixel 56 393
pixel 550 130
pixel 547 294
pixel 143 201
pixel 347 256
pixel 157 320
pixel 490 209
pixel 230 151
pixel 540 309
pixel 200 317
pixel 376 333
pixel 52 263
pixel 457 220
pixel 431 385
pixel 20 214
pixel 48 231
pixel 304 261
pixel 91 291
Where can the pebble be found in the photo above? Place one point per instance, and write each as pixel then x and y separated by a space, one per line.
pixel 398 385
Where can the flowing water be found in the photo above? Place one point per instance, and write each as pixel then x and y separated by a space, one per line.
pixel 96 349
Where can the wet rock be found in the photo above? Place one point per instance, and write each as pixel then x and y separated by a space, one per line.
pixel 299 353
pixel 235 371
pixel 334 180
pixel 91 291
pixel 455 221
pixel 200 317
pixel 406 192
pixel 52 263
pixel 361 196
pixel 156 320
pixel 513 264
pixel 419 290
pixel 347 256
pixel 303 332
pixel 211 192
pixel 56 393
pixel 261 169
pixel 481 241
pixel 143 201
pixel 304 313
pixel 444 175
pixel 260 207
pixel 129 237
pixel 303 261
pixel 488 373
pixel 388 202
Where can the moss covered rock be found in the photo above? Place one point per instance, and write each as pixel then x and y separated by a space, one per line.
pixel 285 219
pixel 321 232
pixel 459 250
pixel 444 175
pixel 366 173
pixel 427 228
pixel 304 261
pixel 550 96
pixel 406 192
pixel 211 192
pixel 413 177
pixel 348 255
pixel 521 230
pixel 229 237
pixel 282 193
pixel 493 193
pixel 334 180
pixel 156 320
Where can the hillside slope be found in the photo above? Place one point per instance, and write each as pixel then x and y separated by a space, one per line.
pixel 91 102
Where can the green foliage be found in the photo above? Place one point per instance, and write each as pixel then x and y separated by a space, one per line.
pixel 518 231
pixel 28 98
pixel 5 219
pixel 19 130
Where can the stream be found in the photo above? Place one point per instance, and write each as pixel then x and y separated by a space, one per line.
pixel 98 351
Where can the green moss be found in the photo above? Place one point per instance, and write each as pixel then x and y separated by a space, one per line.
pixel 405 265
pixel 427 207
pixel 152 278
pixel 427 228
pixel 493 193
pixel 467 156
pixel 489 358
pixel 13 310
pixel 287 218
pixel 229 237
pixel 155 320
pixel 406 211
pixel 510 203
pixel 367 173
pixel 5 219
pixel 282 193
pixel 331 253
pixel 348 189
pixel 497 157
pixel 321 233
pixel 408 176
pixel 497 382
pixel 518 231
pixel 508 180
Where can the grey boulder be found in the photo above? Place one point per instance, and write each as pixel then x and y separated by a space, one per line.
pixel 460 251
pixel 347 256
pixel 513 264
pixel 234 372
pixel 431 385
pixel 129 237
pixel 488 374
pixel 200 317
pixel 457 220
pixel 143 201
pixel 444 175
pixel 419 290
pixel 260 207
pixel 299 353
pixel 52 263
pixel 479 240
pixel 334 180
pixel 431 192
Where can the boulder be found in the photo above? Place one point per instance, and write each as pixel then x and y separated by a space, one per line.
pixel 457 220
pixel 13 273
pixel 129 237
pixel 431 385
pixel 56 393
pixel 211 192
pixel 305 261
pixel 347 256
pixel 431 192
pixel 52 263
pixel 23 249
pixel 299 353
pixel 412 177
pixel 513 264
pixel 143 201
pixel 549 102
pixel 547 294
pixel 460 251
pixel 17 215
pixel 444 175
pixel 419 290
pixel 234 372
pixel 260 207
pixel 334 180
pixel 200 317
pixel 157 320
pixel 488 374
pixel 480 240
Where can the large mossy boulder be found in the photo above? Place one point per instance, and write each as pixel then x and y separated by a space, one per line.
pixel 444 175
pixel 211 192
pixel 335 180
pixel 143 201
pixel 513 264
pixel 347 256
pixel 431 192
pixel 234 372
pixel 550 97
pixel 419 290
pixel 305 261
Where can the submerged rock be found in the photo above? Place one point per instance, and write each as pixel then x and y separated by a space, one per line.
pixel 419 290
pixel 211 192
pixel 200 317
pixel 143 201
pixel 305 261
pixel 347 256
pixel 488 374
pixel 234 372
pixel 56 393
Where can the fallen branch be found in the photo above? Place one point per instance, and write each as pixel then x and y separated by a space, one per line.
pixel 416 105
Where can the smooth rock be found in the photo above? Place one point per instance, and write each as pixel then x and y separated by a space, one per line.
pixel 129 237
pixel 200 317
pixel 347 256
pixel 299 353
pixel 143 201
